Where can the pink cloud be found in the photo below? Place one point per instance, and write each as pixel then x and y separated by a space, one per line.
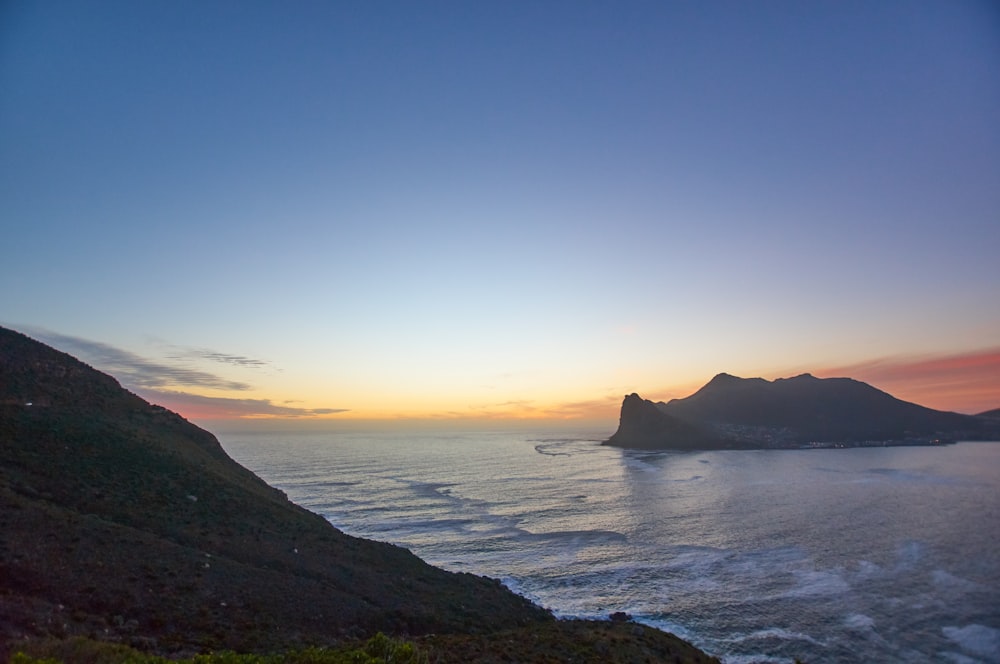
pixel 965 382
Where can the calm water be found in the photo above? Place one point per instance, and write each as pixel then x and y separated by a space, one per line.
pixel 881 555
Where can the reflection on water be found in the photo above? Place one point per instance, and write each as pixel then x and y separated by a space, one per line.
pixel 880 554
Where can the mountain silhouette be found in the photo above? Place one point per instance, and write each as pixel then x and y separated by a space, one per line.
pixel 733 412
pixel 645 424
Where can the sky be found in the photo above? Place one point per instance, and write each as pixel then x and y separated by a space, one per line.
pixel 465 212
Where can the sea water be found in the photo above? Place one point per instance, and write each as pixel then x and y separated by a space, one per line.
pixel 827 555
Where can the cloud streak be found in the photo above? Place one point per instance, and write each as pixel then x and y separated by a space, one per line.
pixel 196 406
pixel 168 385
pixel 222 358
pixel 135 371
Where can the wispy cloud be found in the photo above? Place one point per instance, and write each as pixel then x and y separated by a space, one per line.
pixel 222 358
pixel 134 371
pixel 201 407
pixel 167 384
pixel 965 382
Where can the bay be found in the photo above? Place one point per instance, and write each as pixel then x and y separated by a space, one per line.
pixel 865 554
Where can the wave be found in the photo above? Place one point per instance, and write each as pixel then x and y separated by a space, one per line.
pixel 756 659
pixel 572 536
pixel 947 581
pixel 640 463
pixel 755 573
pixel 549 449
pixel 568 446
pixel 859 621
pixel 977 640
pixel 817 583
pixel 775 633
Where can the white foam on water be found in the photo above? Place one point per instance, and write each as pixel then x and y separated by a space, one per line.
pixel 909 553
pixel 638 464
pixel 946 580
pixel 756 659
pixel 703 539
pixel 813 583
pixel 867 570
pixel 671 627
pixel 774 633
pixel 514 585
pixel 695 558
pixel 576 538
pixel 859 621
pixel 978 640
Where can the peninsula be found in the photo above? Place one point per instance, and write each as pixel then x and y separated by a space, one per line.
pixel 803 411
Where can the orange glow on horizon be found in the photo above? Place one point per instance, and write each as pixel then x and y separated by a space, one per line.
pixel 967 383
pixel 196 407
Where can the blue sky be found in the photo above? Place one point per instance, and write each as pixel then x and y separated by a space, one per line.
pixel 482 210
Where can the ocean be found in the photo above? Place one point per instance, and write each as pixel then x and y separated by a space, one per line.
pixel 827 555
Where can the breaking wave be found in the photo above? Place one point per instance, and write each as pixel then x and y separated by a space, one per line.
pixel 851 555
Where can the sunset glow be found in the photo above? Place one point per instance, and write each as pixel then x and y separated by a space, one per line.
pixel 502 212
pixel 967 383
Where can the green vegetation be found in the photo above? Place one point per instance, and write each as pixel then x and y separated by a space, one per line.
pixel 123 520
pixel 380 649
pixel 583 642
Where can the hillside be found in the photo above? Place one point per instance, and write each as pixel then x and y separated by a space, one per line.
pixel 122 521
pixel 732 412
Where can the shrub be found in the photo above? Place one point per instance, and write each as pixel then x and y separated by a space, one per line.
pixel 390 651
pixel 380 649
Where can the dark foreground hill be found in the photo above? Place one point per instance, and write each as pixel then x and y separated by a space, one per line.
pixel 122 521
pixel 753 413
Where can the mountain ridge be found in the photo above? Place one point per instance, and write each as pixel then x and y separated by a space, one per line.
pixel 730 412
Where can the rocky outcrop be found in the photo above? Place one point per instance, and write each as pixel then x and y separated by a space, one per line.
pixel 644 425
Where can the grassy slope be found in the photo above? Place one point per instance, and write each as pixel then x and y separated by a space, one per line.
pixel 120 520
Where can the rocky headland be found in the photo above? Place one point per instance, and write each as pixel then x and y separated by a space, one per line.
pixel 120 521
pixel 803 411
